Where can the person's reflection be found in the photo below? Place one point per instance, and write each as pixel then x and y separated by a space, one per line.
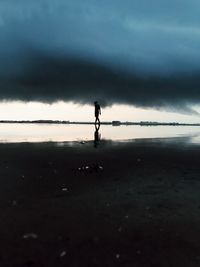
pixel 97 135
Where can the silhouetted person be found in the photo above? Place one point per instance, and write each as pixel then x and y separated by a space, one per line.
pixel 97 112
pixel 96 135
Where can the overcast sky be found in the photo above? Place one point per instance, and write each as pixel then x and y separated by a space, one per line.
pixel 137 52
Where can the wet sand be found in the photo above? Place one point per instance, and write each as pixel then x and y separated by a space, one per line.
pixel 121 204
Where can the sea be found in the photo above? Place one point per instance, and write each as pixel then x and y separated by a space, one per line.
pixel 45 132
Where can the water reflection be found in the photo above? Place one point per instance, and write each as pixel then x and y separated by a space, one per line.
pixel 13 133
pixel 97 135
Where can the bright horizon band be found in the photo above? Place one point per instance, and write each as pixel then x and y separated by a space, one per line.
pixel 17 110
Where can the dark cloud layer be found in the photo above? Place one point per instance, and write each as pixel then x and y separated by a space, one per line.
pixel 127 51
pixel 50 79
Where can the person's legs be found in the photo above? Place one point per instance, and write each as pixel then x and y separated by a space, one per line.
pixel 98 120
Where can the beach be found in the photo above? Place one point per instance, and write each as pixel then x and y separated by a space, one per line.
pixel 133 203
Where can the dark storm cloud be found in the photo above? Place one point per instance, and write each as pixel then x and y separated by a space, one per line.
pixel 116 51
pixel 51 79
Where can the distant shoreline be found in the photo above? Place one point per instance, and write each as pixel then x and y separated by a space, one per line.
pixel 113 123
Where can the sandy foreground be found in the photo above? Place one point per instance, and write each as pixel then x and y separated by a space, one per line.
pixel 121 204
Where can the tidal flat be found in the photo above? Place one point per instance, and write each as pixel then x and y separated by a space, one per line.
pixel 133 203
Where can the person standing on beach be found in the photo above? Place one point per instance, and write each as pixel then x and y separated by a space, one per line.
pixel 97 112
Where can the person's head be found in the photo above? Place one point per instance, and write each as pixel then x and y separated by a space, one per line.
pixel 95 102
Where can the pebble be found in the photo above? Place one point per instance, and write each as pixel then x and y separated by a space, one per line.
pixel 64 189
pixel 63 253
pixel 30 236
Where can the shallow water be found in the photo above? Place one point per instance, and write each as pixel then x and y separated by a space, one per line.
pixel 15 133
